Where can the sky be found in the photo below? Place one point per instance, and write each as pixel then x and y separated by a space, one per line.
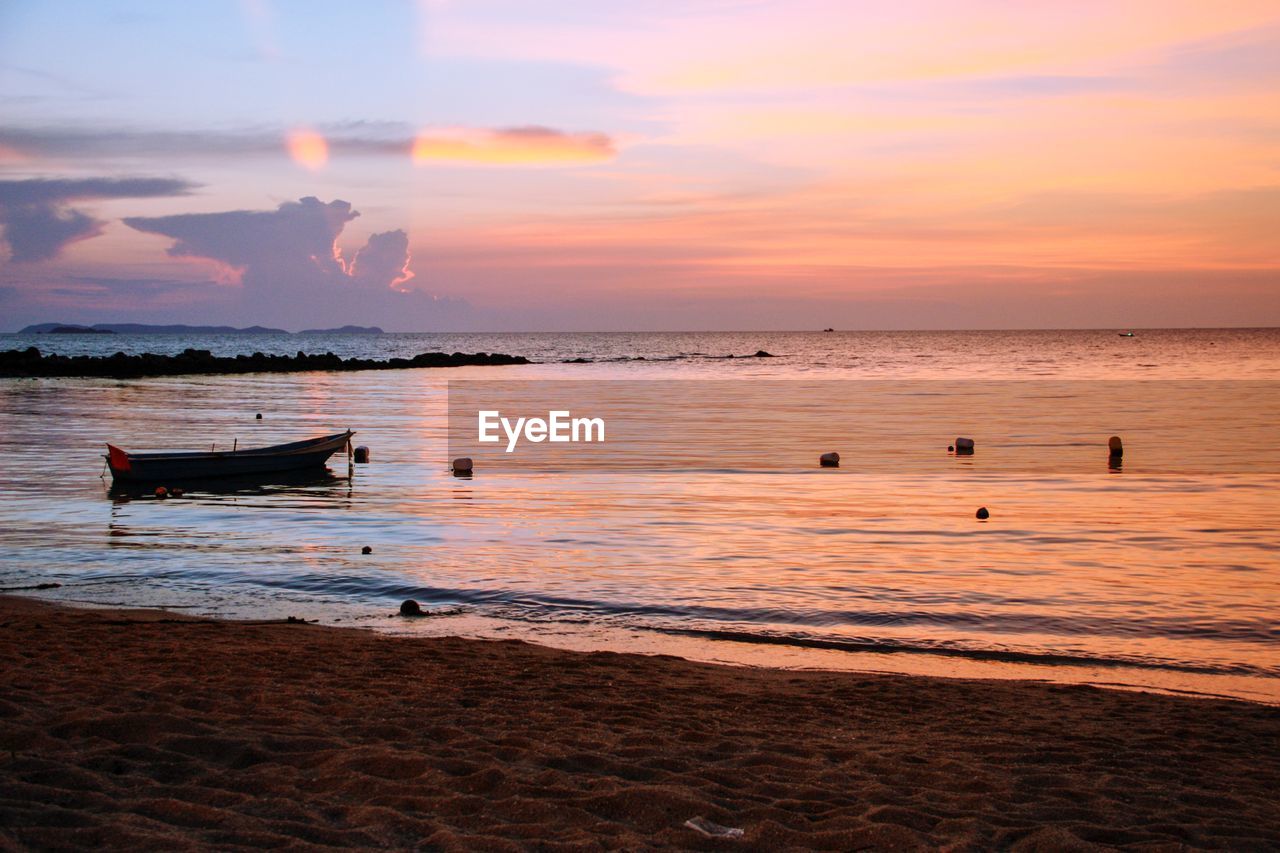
pixel 503 165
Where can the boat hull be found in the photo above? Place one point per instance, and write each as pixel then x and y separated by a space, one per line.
pixel 156 467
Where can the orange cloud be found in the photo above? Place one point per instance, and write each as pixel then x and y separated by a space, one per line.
pixel 516 146
pixel 307 148
pixel 773 46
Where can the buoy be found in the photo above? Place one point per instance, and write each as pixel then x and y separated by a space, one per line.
pixel 162 492
pixel 964 445
pixel 361 454
pixel 1116 446
pixel 982 513
pixel 409 607
pixel 951 448
pixel 366 550
pixel 829 460
pixel 259 416
pixel 462 465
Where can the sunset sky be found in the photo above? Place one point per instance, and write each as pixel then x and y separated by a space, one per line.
pixel 595 165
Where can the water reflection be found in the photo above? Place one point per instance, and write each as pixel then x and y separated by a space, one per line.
pixel 1180 573
pixel 318 483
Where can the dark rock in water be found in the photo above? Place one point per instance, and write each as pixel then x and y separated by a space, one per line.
pixel 409 607
pixel 1116 446
pixel 259 417
pixel 964 445
pixel 982 513
pixel 829 460
pixel 366 550
pixel 361 455
pixel 762 354
pixel 951 448
pixel 462 465
pixel 30 362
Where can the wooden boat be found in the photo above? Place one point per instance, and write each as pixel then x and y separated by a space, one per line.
pixel 177 466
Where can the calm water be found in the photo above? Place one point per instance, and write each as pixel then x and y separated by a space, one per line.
pixel 1143 578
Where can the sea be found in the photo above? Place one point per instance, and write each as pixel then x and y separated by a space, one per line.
pixel 1161 573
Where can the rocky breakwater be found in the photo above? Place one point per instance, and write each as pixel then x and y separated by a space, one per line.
pixel 30 362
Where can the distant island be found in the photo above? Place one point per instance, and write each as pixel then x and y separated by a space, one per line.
pixel 180 329
pixel 344 330
pixel 144 329
pixel 78 330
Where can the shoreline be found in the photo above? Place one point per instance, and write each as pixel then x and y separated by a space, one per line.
pixel 130 727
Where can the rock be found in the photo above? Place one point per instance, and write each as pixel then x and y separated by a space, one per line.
pixel 366 550
pixel 462 465
pixel 409 607
pixel 762 354
pixel 951 448
pixel 361 455
pixel 982 513
pixel 829 460
pixel 259 417
pixel 1116 446
pixel 29 362
pixel 964 445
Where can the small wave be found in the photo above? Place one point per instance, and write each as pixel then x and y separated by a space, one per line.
pixel 994 655
pixel 725 624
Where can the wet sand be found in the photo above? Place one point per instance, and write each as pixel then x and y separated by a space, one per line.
pixel 125 729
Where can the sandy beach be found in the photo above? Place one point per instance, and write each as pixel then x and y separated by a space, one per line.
pixel 125 729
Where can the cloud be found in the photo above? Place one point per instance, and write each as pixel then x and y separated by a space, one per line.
pixel 307 148
pixel 314 147
pixel 511 146
pixel 290 265
pixel 298 236
pixel 1248 57
pixel 385 258
pixel 39 221
pixel 1031 85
